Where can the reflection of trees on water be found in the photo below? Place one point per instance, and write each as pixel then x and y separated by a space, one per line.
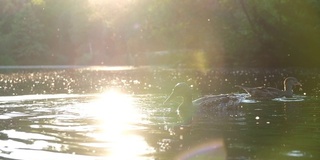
pixel 257 130
pixel 204 137
pixel 274 129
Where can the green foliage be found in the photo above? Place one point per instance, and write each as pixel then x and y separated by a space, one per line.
pixel 22 36
pixel 229 32
pixel 5 59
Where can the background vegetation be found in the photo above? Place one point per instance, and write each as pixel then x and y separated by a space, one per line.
pixel 202 33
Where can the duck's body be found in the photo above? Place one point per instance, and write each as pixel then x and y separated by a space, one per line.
pixel 212 102
pixel 218 102
pixel 271 93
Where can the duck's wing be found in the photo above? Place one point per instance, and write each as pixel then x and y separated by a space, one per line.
pixel 263 92
pixel 251 90
pixel 223 101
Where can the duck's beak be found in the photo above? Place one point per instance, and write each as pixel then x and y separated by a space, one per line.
pixel 298 84
pixel 169 98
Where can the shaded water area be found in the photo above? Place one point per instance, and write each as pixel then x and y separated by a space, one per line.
pixel 118 113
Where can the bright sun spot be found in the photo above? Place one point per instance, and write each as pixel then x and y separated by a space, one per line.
pixel 108 2
pixel 107 8
pixel 117 117
pixel 116 109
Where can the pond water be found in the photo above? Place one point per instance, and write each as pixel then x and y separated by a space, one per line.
pixel 118 113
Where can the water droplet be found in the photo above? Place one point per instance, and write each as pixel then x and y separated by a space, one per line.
pixel 296 153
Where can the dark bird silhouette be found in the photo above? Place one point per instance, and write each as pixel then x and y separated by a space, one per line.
pixel 212 102
pixel 271 93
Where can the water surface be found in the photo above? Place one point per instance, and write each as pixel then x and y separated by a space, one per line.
pixel 117 113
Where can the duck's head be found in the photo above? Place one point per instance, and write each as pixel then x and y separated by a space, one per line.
pixel 181 89
pixel 291 81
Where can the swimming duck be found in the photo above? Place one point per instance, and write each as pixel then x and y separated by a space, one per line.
pixel 212 102
pixel 271 93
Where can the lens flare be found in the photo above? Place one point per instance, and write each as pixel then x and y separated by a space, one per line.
pixel 201 60
pixel 211 150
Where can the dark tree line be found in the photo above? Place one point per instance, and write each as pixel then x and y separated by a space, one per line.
pixel 266 33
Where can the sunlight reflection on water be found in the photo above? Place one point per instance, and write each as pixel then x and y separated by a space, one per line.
pixel 106 125
pixel 117 115
pixel 63 114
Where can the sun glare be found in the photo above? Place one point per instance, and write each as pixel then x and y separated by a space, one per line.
pixel 108 2
pixel 107 8
pixel 117 115
pixel 119 111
